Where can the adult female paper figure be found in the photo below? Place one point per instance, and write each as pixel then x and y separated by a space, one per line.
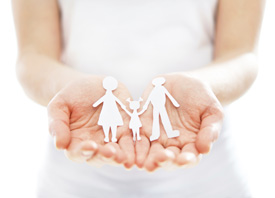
pixel 109 117
pixel 135 123
pixel 158 98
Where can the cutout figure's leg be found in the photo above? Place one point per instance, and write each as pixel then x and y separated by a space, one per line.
pixel 106 130
pixel 114 129
pixel 137 134
pixel 167 124
pixel 165 120
pixel 134 134
pixel 155 129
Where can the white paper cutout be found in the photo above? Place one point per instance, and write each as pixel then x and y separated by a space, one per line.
pixel 109 117
pixel 157 98
pixel 135 122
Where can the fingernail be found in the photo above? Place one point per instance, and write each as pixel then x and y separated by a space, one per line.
pixel 94 145
pixel 190 157
pixel 87 153
pixel 169 153
pixel 113 150
pixel 54 140
pixel 53 133
pixel 55 143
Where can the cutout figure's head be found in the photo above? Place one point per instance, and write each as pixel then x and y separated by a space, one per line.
pixel 158 81
pixel 134 104
pixel 110 83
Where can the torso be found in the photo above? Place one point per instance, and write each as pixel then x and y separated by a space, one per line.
pixel 136 40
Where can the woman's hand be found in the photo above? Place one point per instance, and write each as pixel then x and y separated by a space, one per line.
pixel 73 123
pixel 198 118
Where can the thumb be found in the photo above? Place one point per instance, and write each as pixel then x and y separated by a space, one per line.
pixel 58 116
pixel 210 128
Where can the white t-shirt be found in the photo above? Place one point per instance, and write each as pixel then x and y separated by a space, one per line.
pixel 134 41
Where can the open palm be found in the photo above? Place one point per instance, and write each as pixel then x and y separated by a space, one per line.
pixel 198 119
pixel 73 122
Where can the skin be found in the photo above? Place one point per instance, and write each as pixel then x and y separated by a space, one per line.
pixel 72 123
pixel 198 118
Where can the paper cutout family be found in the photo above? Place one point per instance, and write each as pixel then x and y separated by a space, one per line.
pixel 110 117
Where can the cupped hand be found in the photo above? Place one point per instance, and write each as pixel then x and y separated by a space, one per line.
pixel 73 123
pixel 198 119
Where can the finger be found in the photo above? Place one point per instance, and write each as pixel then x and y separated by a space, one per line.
pixel 119 156
pixel 96 161
pixel 106 150
pixel 171 152
pixel 58 116
pixel 142 149
pixel 176 150
pixel 80 151
pixel 169 164
pixel 104 155
pixel 157 156
pixel 210 128
pixel 189 155
pixel 88 148
pixel 127 146
pixel 110 153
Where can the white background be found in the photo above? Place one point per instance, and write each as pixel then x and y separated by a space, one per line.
pixel 23 124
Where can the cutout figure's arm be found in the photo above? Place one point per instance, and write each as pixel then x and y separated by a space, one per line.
pixel 128 112
pixel 145 106
pixel 98 102
pixel 142 111
pixel 175 103
pixel 120 103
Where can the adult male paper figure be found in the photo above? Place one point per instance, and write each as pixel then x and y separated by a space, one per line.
pixel 157 98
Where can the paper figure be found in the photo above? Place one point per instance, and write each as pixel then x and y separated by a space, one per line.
pixel 135 123
pixel 157 98
pixel 109 117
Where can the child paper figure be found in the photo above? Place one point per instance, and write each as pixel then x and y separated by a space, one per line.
pixel 158 99
pixel 135 123
pixel 109 117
